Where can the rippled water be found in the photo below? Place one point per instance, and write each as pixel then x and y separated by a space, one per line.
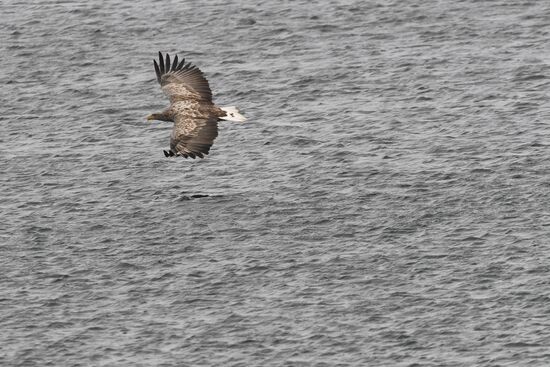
pixel 386 204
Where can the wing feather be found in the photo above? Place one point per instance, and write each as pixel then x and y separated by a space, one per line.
pixel 175 63
pixel 182 63
pixel 181 81
pixel 167 67
pixel 161 63
pixel 193 136
pixel 157 70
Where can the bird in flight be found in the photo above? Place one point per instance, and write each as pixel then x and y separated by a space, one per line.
pixel 191 109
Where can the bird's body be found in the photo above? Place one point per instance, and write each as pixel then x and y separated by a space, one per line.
pixel 191 109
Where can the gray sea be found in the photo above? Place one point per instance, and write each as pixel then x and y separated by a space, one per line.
pixel 385 204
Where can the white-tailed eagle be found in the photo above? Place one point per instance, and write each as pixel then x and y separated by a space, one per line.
pixel 191 109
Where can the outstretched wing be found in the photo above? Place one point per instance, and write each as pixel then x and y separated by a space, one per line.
pixel 193 136
pixel 181 81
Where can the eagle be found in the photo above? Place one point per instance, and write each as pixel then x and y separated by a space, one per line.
pixel 191 109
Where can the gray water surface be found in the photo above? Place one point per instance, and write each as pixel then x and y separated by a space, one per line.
pixel 386 203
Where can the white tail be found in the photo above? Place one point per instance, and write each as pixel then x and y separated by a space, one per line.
pixel 232 114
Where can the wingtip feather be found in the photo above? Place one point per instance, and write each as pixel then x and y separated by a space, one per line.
pixel 161 63
pixel 167 68
pixel 175 63
pixel 157 70
pixel 182 62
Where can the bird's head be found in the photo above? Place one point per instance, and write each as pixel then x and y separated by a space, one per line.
pixel 157 116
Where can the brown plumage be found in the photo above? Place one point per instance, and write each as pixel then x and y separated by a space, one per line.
pixel 191 109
